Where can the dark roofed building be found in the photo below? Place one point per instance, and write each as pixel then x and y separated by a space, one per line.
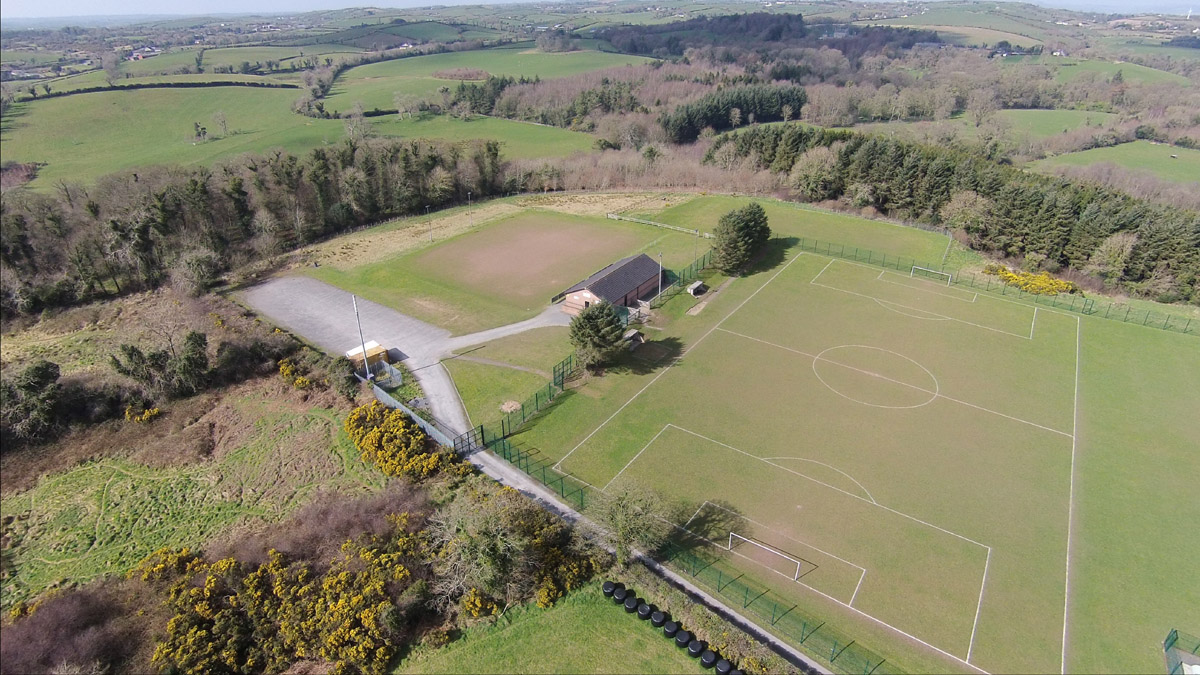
pixel 622 283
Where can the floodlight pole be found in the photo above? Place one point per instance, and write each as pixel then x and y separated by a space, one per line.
pixel 430 222
pixel 362 341
pixel 660 272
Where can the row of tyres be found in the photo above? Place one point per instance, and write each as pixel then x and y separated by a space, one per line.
pixel 671 630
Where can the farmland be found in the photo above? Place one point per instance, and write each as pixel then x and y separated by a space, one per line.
pixel 1171 163
pixel 85 136
pixel 376 85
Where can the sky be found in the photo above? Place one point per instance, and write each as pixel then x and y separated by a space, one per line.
pixel 65 8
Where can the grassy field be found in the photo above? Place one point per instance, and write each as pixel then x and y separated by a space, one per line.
pixel 376 85
pixel 506 271
pixel 1131 72
pixel 504 370
pixel 853 387
pixel 519 140
pixel 103 517
pixel 921 448
pixel 85 136
pixel 1036 124
pixel 794 220
pixel 583 633
pixel 1139 156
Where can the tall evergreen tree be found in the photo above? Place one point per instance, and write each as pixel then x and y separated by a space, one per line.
pixel 596 334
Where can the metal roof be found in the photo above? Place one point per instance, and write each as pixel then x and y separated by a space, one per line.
pixel 619 279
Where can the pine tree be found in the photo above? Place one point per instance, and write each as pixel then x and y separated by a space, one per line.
pixel 596 334
pixel 739 234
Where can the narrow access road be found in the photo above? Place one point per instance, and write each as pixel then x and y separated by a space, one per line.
pixel 324 315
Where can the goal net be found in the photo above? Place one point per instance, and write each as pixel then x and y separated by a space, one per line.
pixel 769 557
pixel 926 273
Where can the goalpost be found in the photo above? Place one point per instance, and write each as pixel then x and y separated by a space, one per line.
pixel 794 575
pixel 932 274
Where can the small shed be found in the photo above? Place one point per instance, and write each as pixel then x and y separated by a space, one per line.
pixel 696 289
pixel 375 354
pixel 622 283
pixel 634 337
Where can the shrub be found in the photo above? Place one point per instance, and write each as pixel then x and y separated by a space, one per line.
pixel 1037 284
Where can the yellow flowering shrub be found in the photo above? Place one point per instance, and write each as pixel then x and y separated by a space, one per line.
pixel 392 441
pixel 1041 283
pixel 476 604
pixel 140 417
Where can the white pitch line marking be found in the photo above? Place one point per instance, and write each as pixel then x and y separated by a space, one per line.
pixel 905 384
pixel 979 605
pixel 1071 497
pixel 678 359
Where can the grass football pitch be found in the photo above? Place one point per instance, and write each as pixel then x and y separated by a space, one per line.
pixel 912 442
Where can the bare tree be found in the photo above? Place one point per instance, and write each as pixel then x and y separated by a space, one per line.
pixel 219 120
pixel 981 104
pixel 111 63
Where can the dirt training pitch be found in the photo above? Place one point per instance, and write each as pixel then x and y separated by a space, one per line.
pixel 527 258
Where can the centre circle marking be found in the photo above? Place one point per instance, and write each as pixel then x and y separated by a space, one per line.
pixel 821 357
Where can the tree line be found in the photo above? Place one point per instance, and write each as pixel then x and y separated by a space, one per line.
pixel 729 108
pixel 139 230
pixel 1052 224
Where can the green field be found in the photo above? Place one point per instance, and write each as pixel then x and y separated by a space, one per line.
pixel 794 220
pixel 506 271
pixel 1131 72
pixel 86 136
pixel 504 370
pixel 922 448
pixel 848 387
pixel 376 85
pixel 103 517
pixel 1036 124
pixel 1154 158
pixel 520 140
pixel 582 633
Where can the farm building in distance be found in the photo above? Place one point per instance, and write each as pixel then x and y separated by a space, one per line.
pixel 622 283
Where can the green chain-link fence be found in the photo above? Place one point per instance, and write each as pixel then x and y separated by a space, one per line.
pixel 983 282
pixel 1180 648
pixel 678 280
pixel 785 618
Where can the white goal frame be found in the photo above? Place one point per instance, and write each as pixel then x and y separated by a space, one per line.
pixel 913 273
pixel 729 547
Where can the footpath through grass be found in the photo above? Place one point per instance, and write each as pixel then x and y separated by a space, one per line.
pixel 583 633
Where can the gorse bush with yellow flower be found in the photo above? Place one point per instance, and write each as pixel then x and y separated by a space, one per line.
pixel 234 617
pixel 1037 284
pixel 392 441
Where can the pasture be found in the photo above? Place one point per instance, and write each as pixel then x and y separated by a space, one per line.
pixel 103 517
pixel 583 632
pixel 83 137
pixel 505 270
pixel 376 85
pixel 508 369
pixel 1153 158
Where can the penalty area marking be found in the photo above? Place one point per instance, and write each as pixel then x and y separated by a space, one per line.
pixel 985 547
pixel 974 296
pixel 915 309
pixel 862 571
